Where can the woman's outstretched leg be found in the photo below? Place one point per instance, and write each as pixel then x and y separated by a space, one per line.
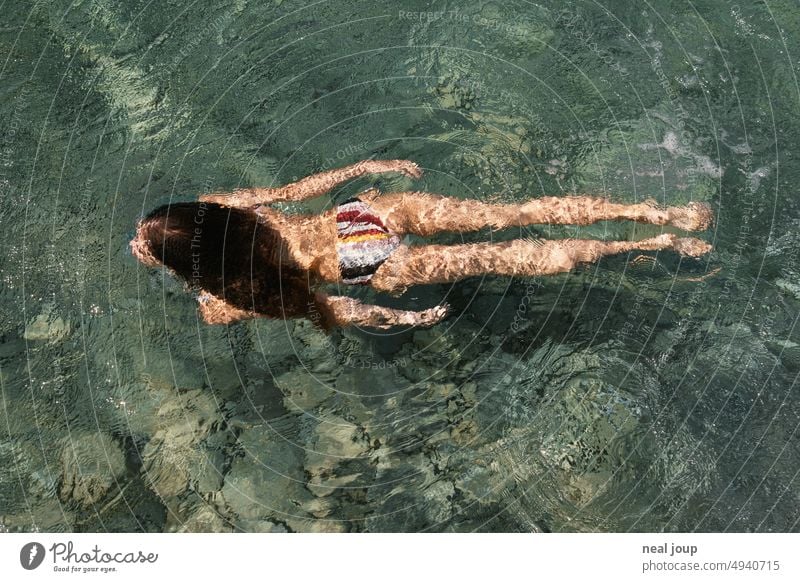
pixel 446 263
pixel 425 214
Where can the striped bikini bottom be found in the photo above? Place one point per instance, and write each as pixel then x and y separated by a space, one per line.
pixel 363 242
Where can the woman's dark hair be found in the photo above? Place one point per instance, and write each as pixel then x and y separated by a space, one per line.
pixel 229 253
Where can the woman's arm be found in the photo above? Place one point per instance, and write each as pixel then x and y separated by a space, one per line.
pixel 324 182
pixel 314 185
pixel 344 311
pixel 337 311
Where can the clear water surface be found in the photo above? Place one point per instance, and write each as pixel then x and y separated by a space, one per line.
pixel 641 394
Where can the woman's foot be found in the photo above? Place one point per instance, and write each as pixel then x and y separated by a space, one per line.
pixel 693 216
pixel 432 316
pixel 691 247
pixel 686 246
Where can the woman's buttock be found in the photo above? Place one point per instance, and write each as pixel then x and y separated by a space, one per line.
pixel 363 241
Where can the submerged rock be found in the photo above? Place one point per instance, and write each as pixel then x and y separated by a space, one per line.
pixel 316 525
pixel 438 497
pixel 47 326
pixel 29 476
pixel 172 455
pixel 303 390
pixel 477 482
pixel 166 466
pixel 205 519
pixel 47 515
pixel 189 417
pixel 206 475
pixel 321 506
pixel 335 441
pixel 164 374
pixel 260 526
pixel 267 481
pixel 90 465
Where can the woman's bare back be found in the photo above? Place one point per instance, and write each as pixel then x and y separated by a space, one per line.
pixel 310 240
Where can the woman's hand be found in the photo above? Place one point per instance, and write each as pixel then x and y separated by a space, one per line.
pixel 405 167
pixel 339 310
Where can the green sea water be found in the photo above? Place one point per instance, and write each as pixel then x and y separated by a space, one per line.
pixel 643 393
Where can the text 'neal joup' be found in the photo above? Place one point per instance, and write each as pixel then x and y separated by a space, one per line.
pixel 672 550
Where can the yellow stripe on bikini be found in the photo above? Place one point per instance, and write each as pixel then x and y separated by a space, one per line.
pixel 363 237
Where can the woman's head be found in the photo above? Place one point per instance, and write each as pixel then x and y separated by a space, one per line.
pixel 226 251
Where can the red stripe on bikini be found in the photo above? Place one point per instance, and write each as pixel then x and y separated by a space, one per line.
pixel 358 216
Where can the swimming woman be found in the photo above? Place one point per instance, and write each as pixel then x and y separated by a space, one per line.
pixel 246 259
